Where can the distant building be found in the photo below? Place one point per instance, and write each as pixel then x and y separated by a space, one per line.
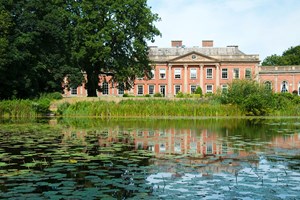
pixel 183 69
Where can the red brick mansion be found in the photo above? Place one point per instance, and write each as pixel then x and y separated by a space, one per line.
pixel 183 69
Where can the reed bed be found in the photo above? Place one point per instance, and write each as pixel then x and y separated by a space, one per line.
pixel 17 109
pixel 149 108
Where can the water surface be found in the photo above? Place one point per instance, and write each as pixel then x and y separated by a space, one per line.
pixel 150 159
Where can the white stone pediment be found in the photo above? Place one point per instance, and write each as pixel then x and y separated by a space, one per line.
pixel 193 57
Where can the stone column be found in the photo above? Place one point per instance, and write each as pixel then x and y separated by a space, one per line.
pixel 185 81
pixel 293 87
pixel 275 84
pixel 201 77
pixel 217 76
pixel 169 80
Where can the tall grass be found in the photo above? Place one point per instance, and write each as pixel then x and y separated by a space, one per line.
pixel 149 108
pixel 17 108
pixel 24 108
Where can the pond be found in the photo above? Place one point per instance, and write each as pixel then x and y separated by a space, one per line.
pixel 80 158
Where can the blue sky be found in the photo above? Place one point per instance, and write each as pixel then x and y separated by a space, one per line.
pixel 263 27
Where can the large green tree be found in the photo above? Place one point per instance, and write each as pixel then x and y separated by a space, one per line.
pixel 289 57
pixel 110 37
pixel 35 46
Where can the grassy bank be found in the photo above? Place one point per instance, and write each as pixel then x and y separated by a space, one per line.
pixel 147 108
pixel 25 108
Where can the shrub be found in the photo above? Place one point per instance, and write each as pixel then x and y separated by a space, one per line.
pixel 179 95
pixel 253 98
pixel 157 94
pixel 125 95
pixel 41 106
pixel 147 95
pixel 62 107
pixel 51 96
pixel 198 91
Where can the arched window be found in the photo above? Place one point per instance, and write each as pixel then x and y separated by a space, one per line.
pixel 284 86
pixel 268 85
pixel 104 88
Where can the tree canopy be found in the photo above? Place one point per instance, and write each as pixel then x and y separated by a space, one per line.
pixel 289 57
pixel 41 42
pixel 110 37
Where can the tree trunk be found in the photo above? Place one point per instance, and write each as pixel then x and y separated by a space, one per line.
pixel 92 83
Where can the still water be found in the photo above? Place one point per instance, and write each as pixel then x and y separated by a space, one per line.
pixel 150 159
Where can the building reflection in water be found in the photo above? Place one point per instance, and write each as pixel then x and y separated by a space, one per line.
pixel 205 149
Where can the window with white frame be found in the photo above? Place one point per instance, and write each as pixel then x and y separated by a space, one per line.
pixel 248 73
pixel 177 89
pixel 104 88
pixel 209 73
pixel 209 148
pixel 177 73
pixel 151 89
pixel 284 87
pixel 177 147
pixel 224 88
pixel 121 89
pixel 162 73
pixel 152 74
pixel 163 90
pixel 162 147
pixel 140 89
pixel 193 73
pixel 73 91
pixel 236 73
pixel 299 92
pixel 224 73
pixel 209 88
pixel 224 148
pixel 193 89
pixel 268 85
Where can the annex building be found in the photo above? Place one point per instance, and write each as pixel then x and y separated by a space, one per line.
pixel 183 69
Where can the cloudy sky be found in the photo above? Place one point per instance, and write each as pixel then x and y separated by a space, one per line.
pixel 263 27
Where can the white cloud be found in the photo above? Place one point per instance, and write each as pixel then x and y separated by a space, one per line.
pixel 262 27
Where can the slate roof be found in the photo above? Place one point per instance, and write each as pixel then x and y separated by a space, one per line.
pixel 230 53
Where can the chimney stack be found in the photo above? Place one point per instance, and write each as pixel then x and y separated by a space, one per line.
pixel 176 43
pixel 207 43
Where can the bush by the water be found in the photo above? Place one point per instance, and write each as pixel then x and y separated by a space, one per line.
pixel 257 100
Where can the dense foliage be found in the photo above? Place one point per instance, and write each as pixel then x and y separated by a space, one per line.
pixel 289 57
pixel 41 42
pixel 257 100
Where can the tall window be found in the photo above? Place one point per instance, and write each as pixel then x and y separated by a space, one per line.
pixel 163 90
pixel 209 148
pixel 209 88
pixel 268 85
pixel 224 88
pixel 73 91
pixel 299 88
pixel 284 87
pixel 151 89
pixel 152 74
pixel 236 73
pixel 248 73
pixel 104 88
pixel 140 90
pixel 193 89
pixel 209 73
pixel 177 73
pixel 162 73
pixel 224 73
pixel 177 89
pixel 121 89
pixel 193 73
